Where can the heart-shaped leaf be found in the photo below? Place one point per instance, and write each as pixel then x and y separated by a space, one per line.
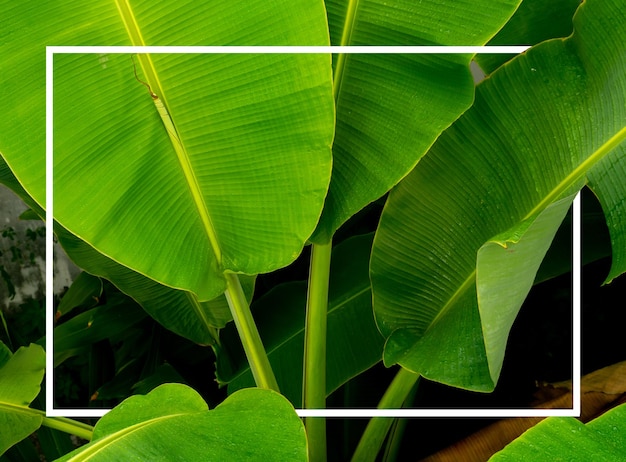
pixel 173 422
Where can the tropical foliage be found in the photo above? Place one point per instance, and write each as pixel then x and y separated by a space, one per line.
pixel 184 183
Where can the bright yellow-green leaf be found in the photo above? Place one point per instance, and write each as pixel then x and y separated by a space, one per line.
pixel 173 422
pixel 565 438
pixel 20 381
pixel 240 184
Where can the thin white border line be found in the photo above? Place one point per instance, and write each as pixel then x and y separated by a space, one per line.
pixel 292 49
pixel 341 413
pixel 576 302
pixel 351 413
pixel 49 238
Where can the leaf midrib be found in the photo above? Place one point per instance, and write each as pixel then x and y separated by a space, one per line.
pixel 103 443
pixel 134 33
pixel 559 189
pixel 346 39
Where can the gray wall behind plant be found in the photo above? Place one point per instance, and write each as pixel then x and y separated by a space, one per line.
pixel 22 256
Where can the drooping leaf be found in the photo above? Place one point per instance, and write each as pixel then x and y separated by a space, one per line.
pixel 533 22
pixel 177 310
pixel 242 187
pixel 99 323
pixel 500 285
pixel 565 438
pixel 390 108
pixel 353 341
pixel 172 422
pixel 20 380
pixel 542 126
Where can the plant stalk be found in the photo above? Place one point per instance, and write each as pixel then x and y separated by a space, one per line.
pixel 374 435
pixel 314 380
pixel 392 449
pixel 73 427
pixel 249 334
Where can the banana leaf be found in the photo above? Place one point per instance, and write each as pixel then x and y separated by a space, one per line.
pixel 233 178
pixel 448 274
pixel 390 108
pixel 533 22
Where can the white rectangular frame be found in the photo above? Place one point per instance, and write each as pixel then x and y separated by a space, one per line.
pixel 345 413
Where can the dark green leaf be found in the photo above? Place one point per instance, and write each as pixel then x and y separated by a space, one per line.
pixel 353 341
pixel 541 127
pixel 533 22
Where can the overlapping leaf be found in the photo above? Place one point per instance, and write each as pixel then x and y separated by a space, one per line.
pixel 542 126
pixel 177 310
pixel 85 291
pixel 390 108
pixel 117 315
pixel 256 131
pixel 533 22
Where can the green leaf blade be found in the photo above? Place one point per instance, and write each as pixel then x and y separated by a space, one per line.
pixel 505 272
pixel 390 108
pixel 256 131
pixel 542 126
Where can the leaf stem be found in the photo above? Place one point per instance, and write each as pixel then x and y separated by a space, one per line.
pixel 314 380
pixel 374 435
pixel 249 334
pixel 73 427
pixel 396 434
pixel 80 429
